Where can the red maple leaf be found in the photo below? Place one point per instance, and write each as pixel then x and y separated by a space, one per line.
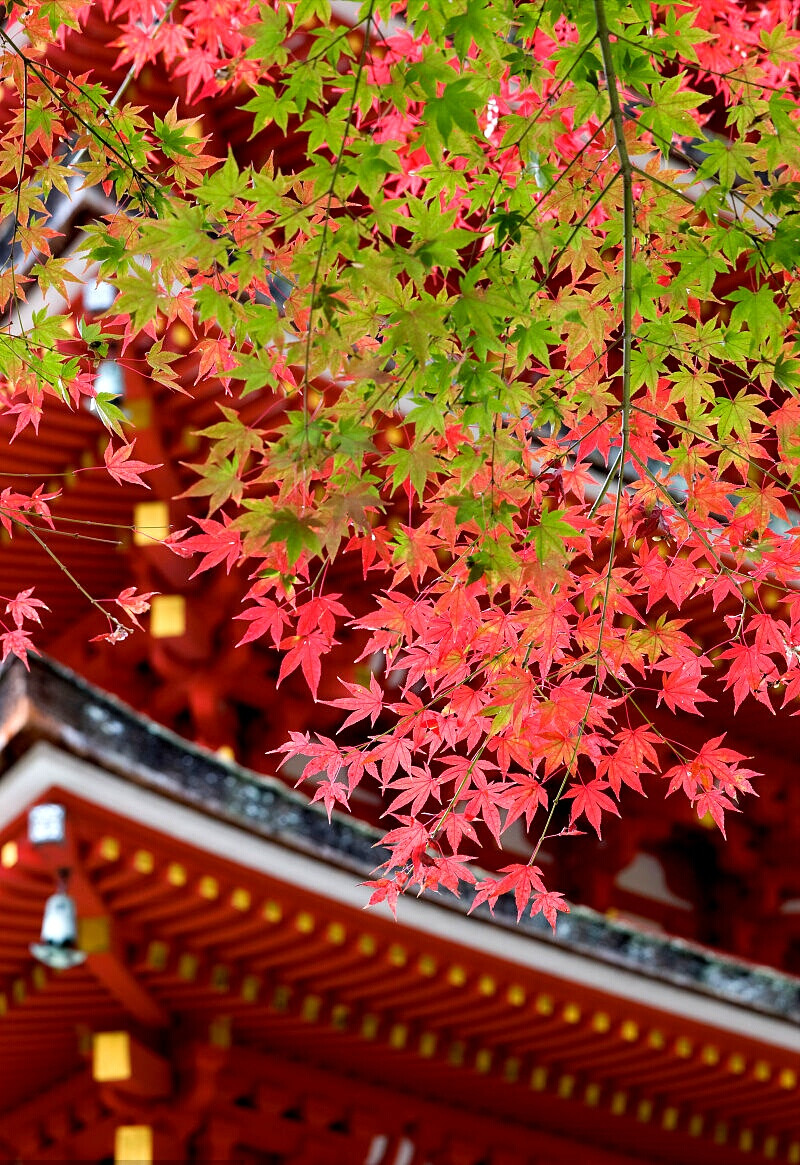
pixel 749 673
pixel 19 643
pixel 591 800
pixel 448 870
pixel 457 827
pixel 333 793
pixel 320 613
pixel 634 755
pixel 362 701
pixel 117 633
pixel 393 754
pixel 133 604
pixel 714 803
pixel 417 788
pixel 305 652
pixel 525 795
pixel 266 616
pixel 549 903
pixel 28 412
pixel 122 468
pixel 23 607
pixel 680 685
pixel 218 543
pixel 407 843
pixel 524 880
pixel 384 890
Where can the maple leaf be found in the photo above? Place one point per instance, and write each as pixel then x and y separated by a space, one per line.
pixel 266 617
pixel 457 827
pixel 134 604
pixel 118 633
pixel 749 673
pixel 19 643
pixel 680 685
pixel 590 800
pixel 484 801
pixel 332 793
pixel 418 787
pixel 549 903
pixel 28 413
pixel 363 702
pixel 384 890
pixel 524 796
pixel 407 843
pixel 414 548
pixel 714 803
pixel 305 652
pixel 122 468
pixel 320 613
pixel 635 754
pixel 488 890
pixel 524 880
pixel 23 607
pixel 218 543
pixel 393 753
pixel 448 870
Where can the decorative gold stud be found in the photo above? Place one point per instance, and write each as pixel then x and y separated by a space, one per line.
pixel 9 855
pixel 241 899
pixel 176 874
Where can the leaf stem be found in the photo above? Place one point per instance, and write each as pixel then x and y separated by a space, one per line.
pixel 626 174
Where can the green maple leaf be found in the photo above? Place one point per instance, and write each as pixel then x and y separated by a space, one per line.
pixel 268 34
pixel 220 481
pixel 232 436
pixel 757 311
pixel 172 137
pixel 416 465
pixel 306 9
pixel 104 405
pixel 737 415
pixel 296 533
pixel 668 113
pixel 455 107
pixel 550 534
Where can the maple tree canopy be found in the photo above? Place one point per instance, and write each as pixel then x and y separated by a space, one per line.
pixel 519 303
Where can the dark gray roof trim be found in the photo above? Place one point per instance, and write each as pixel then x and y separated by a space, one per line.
pixel 60 707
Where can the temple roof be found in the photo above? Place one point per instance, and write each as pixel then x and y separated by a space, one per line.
pixel 53 704
pixel 223 920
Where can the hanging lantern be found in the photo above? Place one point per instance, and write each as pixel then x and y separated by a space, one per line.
pixel 57 948
pixel 47 824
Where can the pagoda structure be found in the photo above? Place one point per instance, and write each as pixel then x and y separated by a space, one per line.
pixel 235 1002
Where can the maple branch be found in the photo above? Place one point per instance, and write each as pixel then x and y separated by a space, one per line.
pixel 328 203
pixel 124 157
pixel 112 619
pixel 626 173
pixel 723 447
pixel 17 203
pixel 681 512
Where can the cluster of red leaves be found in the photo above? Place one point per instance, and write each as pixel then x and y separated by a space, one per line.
pixel 16 640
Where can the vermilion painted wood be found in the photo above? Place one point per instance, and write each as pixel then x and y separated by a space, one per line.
pixel 343 1027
